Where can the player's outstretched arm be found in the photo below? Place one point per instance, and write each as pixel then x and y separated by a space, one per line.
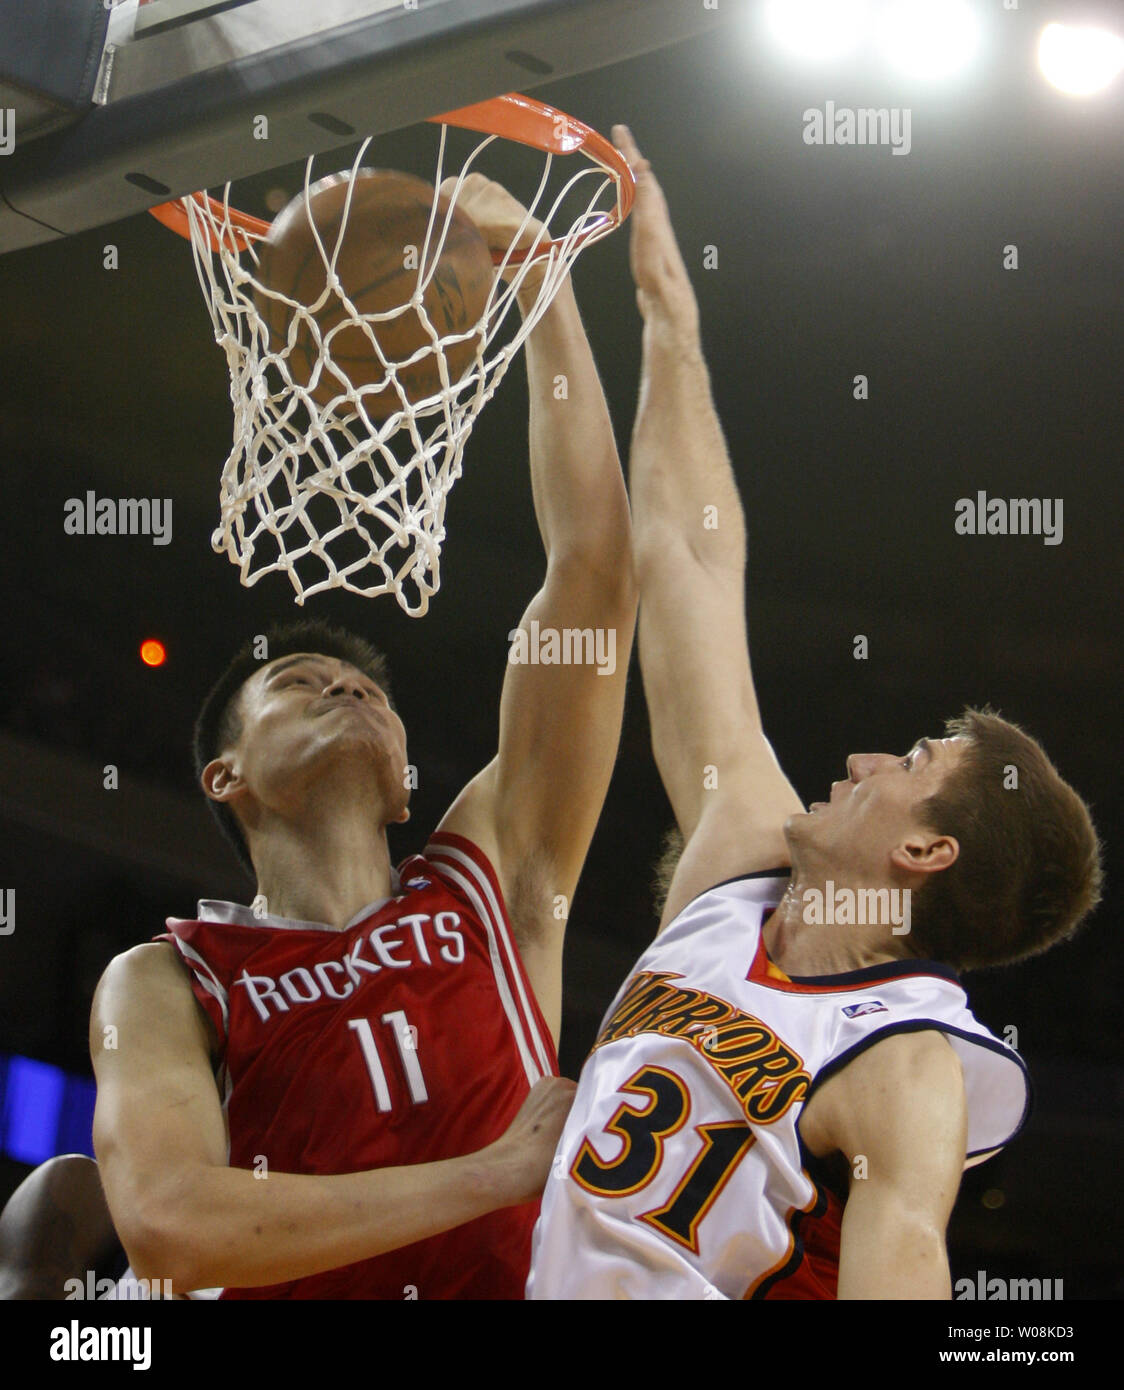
pixel 729 796
pixel 534 809
pixel 184 1215
pixel 898 1114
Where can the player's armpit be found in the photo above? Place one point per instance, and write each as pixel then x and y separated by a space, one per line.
pixel 740 828
pixel 899 1116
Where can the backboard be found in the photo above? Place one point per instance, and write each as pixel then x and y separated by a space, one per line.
pixel 179 86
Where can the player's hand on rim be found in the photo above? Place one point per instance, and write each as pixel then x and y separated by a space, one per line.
pixel 497 214
pixel 663 287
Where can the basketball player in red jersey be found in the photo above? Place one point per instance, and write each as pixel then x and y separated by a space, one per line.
pixel 341 1093
pixel 781 1101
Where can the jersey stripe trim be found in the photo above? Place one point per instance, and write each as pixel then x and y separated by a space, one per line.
pixel 502 986
pixel 851 980
pixel 207 978
pixel 788 1263
pixel 920 1025
pixel 473 858
pixel 888 970
pixel 793 1257
pixel 449 861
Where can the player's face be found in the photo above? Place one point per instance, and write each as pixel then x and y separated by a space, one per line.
pixel 311 722
pixel 875 811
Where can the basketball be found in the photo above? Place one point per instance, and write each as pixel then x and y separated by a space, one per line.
pixel 379 265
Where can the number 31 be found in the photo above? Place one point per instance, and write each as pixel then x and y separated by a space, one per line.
pixel 644 1133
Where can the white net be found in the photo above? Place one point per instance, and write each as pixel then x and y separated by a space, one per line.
pixel 343 495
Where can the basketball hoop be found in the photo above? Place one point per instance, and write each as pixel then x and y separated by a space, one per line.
pixel 342 495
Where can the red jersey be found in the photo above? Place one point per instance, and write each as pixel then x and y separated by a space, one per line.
pixel 412 1035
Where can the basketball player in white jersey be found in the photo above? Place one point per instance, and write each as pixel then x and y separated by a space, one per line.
pixel 787 1088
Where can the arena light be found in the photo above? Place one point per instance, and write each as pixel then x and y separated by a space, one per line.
pixel 152 652
pixel 1079 61
pixel 929 38
pixel 44 1111
pixel 817 29
pixel 33 1096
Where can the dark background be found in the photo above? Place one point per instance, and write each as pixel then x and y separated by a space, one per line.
pixel 831 262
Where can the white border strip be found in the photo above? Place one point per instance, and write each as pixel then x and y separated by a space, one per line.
pixel 502 985
pixel 484 886
pixel 207 978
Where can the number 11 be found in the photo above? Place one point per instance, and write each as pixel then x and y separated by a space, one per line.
pixel 405 1037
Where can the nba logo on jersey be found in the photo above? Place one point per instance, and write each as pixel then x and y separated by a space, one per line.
pixel 868 1006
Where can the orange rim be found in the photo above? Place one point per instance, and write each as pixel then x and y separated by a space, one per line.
pixel 513 117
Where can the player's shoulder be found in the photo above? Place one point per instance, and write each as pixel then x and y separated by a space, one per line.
pixel 458 862
pixel 151 970
pixel 906 1082
pixel 144 989
pixel 752 886
pixel 417 871
pixel 722 900
pixel 723 849
pixel 148 960
pixel 902 1062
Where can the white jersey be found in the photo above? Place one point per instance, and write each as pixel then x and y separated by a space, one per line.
pixel 680 1171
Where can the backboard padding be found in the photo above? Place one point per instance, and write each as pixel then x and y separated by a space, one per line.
pixel 389 69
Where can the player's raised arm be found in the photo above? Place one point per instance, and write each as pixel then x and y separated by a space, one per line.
pixel 729 796
pixel 534 808
pixel 184 1215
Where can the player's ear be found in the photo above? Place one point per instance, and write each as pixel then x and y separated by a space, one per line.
pixel 925 854
pixel 220 780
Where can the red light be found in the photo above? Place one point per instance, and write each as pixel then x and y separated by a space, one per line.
pixel 152 652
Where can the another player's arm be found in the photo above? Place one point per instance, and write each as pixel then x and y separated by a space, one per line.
pixel 54 1228
pixel 690 546
pixel 900 1108
pixel 184 1215
pixel 537 803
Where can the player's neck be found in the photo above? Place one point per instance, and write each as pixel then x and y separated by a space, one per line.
pixel 806 936
pixel 322 872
